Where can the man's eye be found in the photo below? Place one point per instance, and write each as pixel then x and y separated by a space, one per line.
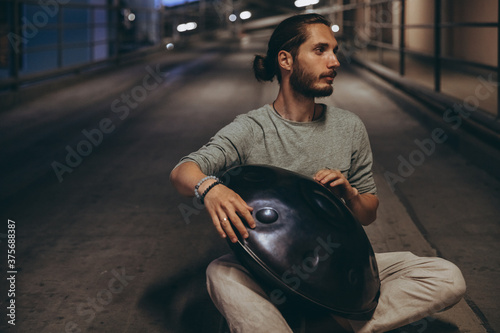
pixel 319 50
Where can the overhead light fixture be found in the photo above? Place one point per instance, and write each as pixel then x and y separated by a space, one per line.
pixel 131 17
pixel 191 26
pixel 187 26
pixel 232 17
pixel 245 15
pixel 335 28
pixel 304 3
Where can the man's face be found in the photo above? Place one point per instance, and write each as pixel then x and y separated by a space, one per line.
pixel 315 63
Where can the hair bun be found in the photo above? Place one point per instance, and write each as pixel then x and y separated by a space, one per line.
pixel 262 69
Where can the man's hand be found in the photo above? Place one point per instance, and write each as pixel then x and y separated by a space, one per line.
pixel 337 183
pixel 364 206
pixel 227 209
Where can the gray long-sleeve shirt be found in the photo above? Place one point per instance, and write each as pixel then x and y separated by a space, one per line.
pixel 337 140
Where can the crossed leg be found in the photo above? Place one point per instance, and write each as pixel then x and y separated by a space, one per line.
pixel 411 288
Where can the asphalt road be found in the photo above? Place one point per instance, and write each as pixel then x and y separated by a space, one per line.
pixel 102 243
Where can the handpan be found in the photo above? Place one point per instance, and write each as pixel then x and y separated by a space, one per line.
pixel 306 244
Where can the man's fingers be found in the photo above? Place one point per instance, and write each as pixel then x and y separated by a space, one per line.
pixel 249 218
pixel 330 177
pixel 226 225
pixel 233 221
pixel 321 174
pixel 236 222
pixel 227 210
pixel 244 211
pixel 217 224
pixel 337 182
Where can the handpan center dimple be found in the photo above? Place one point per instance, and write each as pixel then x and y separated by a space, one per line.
pixel 267 215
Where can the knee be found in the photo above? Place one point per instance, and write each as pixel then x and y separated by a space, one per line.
pixel 223 271
pixel 214 273
pixel 455 287
pixel 455 276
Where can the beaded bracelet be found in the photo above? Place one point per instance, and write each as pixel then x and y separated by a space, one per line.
pixel 208 189
pixel 199 184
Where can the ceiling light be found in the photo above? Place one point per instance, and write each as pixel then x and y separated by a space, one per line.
pixel 181 27
pixel 245 15
pixel 304 3
pixel 187 26
pixel 191 26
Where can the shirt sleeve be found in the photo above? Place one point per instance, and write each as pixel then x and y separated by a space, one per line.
pixel 227 148
pixel 360 174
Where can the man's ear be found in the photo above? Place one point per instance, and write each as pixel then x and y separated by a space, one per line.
pixel 285 60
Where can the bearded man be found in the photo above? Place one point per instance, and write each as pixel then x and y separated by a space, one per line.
pixel 323 142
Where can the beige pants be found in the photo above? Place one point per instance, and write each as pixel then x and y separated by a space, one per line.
pixel 412 288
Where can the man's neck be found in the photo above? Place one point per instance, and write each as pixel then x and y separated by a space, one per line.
pixel 295 107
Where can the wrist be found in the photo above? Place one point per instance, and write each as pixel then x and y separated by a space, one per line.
pixel 208 189
pixel 206 184
pixel 203 185
pixel 353 195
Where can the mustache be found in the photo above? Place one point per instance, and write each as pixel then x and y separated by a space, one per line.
pixel 332 74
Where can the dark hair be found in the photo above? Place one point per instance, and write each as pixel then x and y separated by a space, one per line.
pixel 288 36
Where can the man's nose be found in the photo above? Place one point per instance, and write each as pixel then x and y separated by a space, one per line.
pixel 333 61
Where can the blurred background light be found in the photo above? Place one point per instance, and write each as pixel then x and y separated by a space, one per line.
pixel 303 3
pixel 191 25
pixel 181 27
pixel 187 26
pixel 232 17
pixel 245 15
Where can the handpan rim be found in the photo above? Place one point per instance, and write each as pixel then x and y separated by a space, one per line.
pixel 343 312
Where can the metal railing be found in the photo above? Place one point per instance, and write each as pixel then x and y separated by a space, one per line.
pixel 353 28
pixel 43 39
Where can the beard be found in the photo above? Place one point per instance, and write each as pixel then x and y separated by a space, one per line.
pixel 303 83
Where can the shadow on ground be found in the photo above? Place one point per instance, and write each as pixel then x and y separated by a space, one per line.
pixel 182 304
